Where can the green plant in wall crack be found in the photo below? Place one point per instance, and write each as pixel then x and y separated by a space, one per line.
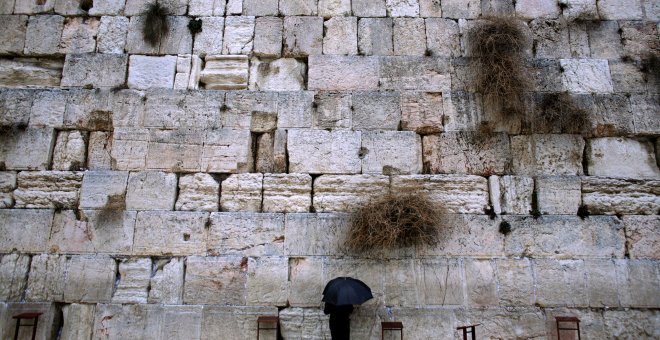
pixel 155 23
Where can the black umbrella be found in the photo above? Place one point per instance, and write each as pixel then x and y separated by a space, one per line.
pixel 346 291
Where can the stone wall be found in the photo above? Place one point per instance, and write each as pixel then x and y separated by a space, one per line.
pixel 181 190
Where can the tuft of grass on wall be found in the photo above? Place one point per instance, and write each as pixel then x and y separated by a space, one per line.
pixel 155 23
pixel 559 113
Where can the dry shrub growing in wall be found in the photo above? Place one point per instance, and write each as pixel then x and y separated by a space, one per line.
pixel 559 113
pixel 155 23
pixel 394 220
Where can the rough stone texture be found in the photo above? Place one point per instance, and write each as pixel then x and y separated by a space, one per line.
pixel 170 233
pixel 79 35
pixel 204 7
pixel 375 111
pixel 409 36
pixel 239 35
pixel 47 109
pixel 551 38
pixel 47 280
pixel 234 322
pixel 619 10
pixel 248 234
pixel 133 282
pixel 422 112
pixel 375 36
pixel 151 190
pixel 13 281
pixel 178 39
pixel 558 195
pixel 642 238
pixel 463 194
pixel 346 193
pixel 136 7
pixel 111 7
pixel 537 8
pixel 198 192
pixel 442 37
pixel 309 235
pixel 340 35
pixel 167 282
pixel 88 110
pixel 7 185
pixel 560 283
pixel 586 75
pixel 92 231
pixel 265 161
pixel 129 149
pixel 26 72
pixel 18 223
pixel 242 192
pixel 480 276
pixel 70 149
pixel 547 154
pixel 47 189
pixel 216 280
pixel 611 196
pixel 285 74
pixel 225 72
pixel 465 235
pixel 103 190
pixel 402 8
pixel 145 72
pixel 15 109
pixel 267 282
pixel 342 73
pixel 430 8
pixel 467 153
pixel 334 8
pixel 28 149
pixel 298 7
pixel 12 33
pixel 260 8
pixel 414 73
pixel 455 9
pixel 391 152
pixel 302 36
pixel 332 111
pixel 621 157
pixel 89 279
pixel 43 34
pixel 287 193
pixel 114 321
pixel 209 40
pixel 242 106
pixel 514 194
pixel 644 111
pixel 318 151
pixel 78 321
pixel 268 37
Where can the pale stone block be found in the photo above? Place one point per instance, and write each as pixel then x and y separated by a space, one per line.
pixel 368 8
pixel 551 38
pixel 462 194
pixel 47 109
pixel 114 321
pixel 422 112
pixel 515 282
pixel 145 72
pixel 304 323
pixel 78 321
pixel 48 189
pixel 260 7
pixel 13 281
pixel 409 36
pixel 209 40
pixel 465 235
pixel 175 150
pixel 287 193
pixel 285 74
pixel 127 108
pixel 340 36
pixel 414 73
pixel 89 279
pixel 103 190
pixel 343 73
pixel 79 35
pixel 43 34
pixel 605 40
pixel 560 283
pixel 303 36
pixel 151 190
pixel 170 233
pixel 92 231
pixel 391 152
pixel 225 73
pixel 70 151
pixel 402 8
pixel 637 282
pixel 294 109
pixel 233 322
pixel 28 149
pixel 430 8
pixel 601 279
pixel 248 234
pixel 586 75
pixel 110 7
pixel 239 34
pixel 216 280
pixel 611 196
pixel 442 38
pixel 267 281
pixel 531 9
pixel 461 9
pixel 7 7
pixel 442 282
pixel 241 192
pixel 375 110
pixel 206 7
pixel 15 107
pixel 198 192
pixel 332 111
pixel 265 160
pixel 620 10
pixel 129 148
pixel 268 37
pixel 375 36
pixel 579 9
pixel 298 7
pixel 558 195
pixel 311 235
pixel 547 155
pixel 642 238
pixel 95 70
pixel 621 157
pixel 33 7
pixel 509 323
pixel 334 8
pixel 644 114
pixel 174 7
pixel 514 194
pixel 133 285
pixel 227 151
pixel 112 34
pixel 88 110
pixel 253 110
pixel 12 33
pixel 480 276
pixel 183 109
pixel 617 323
pixel 167 282
pixel 347 193
pixel 306 282
pixel 98 151
pixel 30 72
pixel 234 7
pixel 467 153
pixel 47 280
pixel 7 185
pixel 319 151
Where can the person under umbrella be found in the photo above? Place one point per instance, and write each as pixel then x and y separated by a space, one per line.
pixel 339 295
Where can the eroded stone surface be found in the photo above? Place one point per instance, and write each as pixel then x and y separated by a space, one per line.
pixel 134 281
pixel 467 153
pixel 285 74
pixel 151 190
pixel 13 28
pixel 547 154
pixel 167 282
pixel 621 157
pixel 302 36
pixel 336 193
pixel 103 190
pixel 13 281
pixel 198 192
pixel 287 193
pixel 78 321
pixel 28 149
pixel 70 151
pixel 642 238
pixel 145 72
pixel 225 72
pixel 558 195
pixel 216 280
pixel 48 189
pixel 318 151
pixel 375 111
pixel 92 231
pixel 239 35
pixel 463 194
pixel 391 152
pixel 340 35
pixel 170 233
pixel 342 73
pixel 268 37
pixel 620 196
pixel 249 234
pixel 515 194
pixel 267 282
pixel 89 279
pixel 242 192
pixel 375 36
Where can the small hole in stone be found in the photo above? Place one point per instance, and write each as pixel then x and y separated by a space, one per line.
pixel 186 237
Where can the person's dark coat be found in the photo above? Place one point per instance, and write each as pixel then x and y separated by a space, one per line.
pixel 340 323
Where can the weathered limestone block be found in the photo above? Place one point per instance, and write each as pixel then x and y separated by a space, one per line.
pixel 304 323
pixel 611 196
pixel 605 40
pixel 227 151
pixel 515 282
pixel 332 111
pixel 234 322
pixel 78 321
pixel 430 8
pixel 88 110
pixel 30 72
pixel 248 234
pixel 336 73
pixel 225 72
pixel 286 74
pixel 204 7
pixel 48 109
pixel 92 231
pixel 89 279
pixel 112 34
pixel 547 154
pixel 318 151
pixel 621 157
pixel 467 153
pixel 280 153
pixel 402 8
pixel 47 280
pixel 298 7
pixel 619 10
pixel 175 150
pixel 466 235
pixel 70 151
pixel 198 192
pixel 442 37
pixel 302 36
pixel 287 193
pixel 134 275
pixel 414 73
pixel 137 7
pixel 111 7
pixel 129 148
pixel 239 34
pixel 265 161
pixel 340 35
pixel 267 281
pixel 127 108
pixel 531 9
pixel 28 149
pixel 13 281
pixel 209 40
pixel 644 114
pixel 480 276
pixel 31 7
pixel 617 323
pixel 7 186
pixel 216 280
pixel 15 109
pixel 508 323
pixel 558 195
pixel 260 7
pixel 601 283
pixel 550 38
pixel 334 193
pixel 241 106
pixel 334 8
pixel 95 70
pixel 422 112
pixel 391 152
pixel 375 110
pixel 368 8
pixel 7 7
pixel 314 234
pixel 183 109
pixel 579 9
pixel 170 233
pixel 242 192
pixel 167 282
pixel 234 7
pixel 151 190
pixel 442 284
pixel 48 189
pixel 306 280
pixel 463 194
pixel 375 36
pixel 409 36
pixel 642 238
pixel 79 35
pixel 586 75
pixel 460 9
pixel 145 72
pixel 638 37
pixel 511 194
pixel 637 283
pixel 626 77
pixel 103 190
pixel 560 283
pixel 98 151
pixel 12 33
pixel 43 34
pixel 268 37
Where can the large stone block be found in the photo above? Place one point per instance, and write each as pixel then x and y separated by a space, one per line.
pixel 227 322
pixel 334 8
pixel 515 282
pixel 29 149
pixel 247 108
pixel 391 152
pixel 47 280
pixel 560 283
pixel 172 109
pixel 88 110
pixel 127 108
pixel 547 155
pixel 343 73
pixel 461 9
pixel 48 109
pixel 442 283
pixel 287 193
pixel 302 36
pixel 151 190
pixel 170 233
pixel 12 33
pixel 315 234
pixel 13 281
pixel 175 150
pixel 204 7
pixel 267 282
pixel 227 151
pixel 15 108
pixel 467 153
pixel 318 151
pixel 103 190
pixel 216 280
pixel 78 321
pixel 209 40
pixel 617 323
pixel 619 10
pixel 70 151
pixel 48 189
pixel 260 8
pixel 375 111
pixel 43 34
pixel 298 7
pixel 30 72
pixel 375 36
pixel 304 323
pixel 511 194
pixel 92 231
pixel 248 234
pixel 442 37
pixel 242 192
pixel 347 193
pixel 611 196
pixel 332 110
pixel 402 8
pixel 409 36
pixel 285 74
pixel 177 40
pixel 7 186
pixel 114 321
pixel 368 8
pixel 129 149
pixel 145 72
pixel 79 35
pixel 454 193
pixel 167 282
pixel 268 37
pixel 133 285
pixel 480 276
pixel 558 195
pixel 294 109
pixel 415 73
pixel 239 35
pixel 637 283
pixel 111 7
pixel 198 192
pixel 307 278
pixel 340 35
pixel 644 113
pixel 586 75
pixel 621 157
pixel 89 279
pixel 422 112
pixel 225 73
pixel 94 70
pixel 466 235
pixel 642 238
